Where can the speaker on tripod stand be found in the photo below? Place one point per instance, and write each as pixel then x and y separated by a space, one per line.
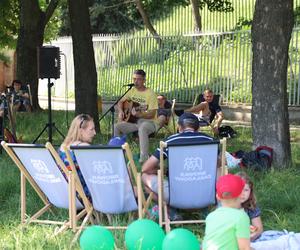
pixel 48 67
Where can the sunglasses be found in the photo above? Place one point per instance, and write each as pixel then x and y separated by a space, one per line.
pixel 82 119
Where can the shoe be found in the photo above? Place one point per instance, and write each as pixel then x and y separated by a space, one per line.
pixel 173 215
pixel 154 213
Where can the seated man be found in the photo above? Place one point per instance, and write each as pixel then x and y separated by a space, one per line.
pixel 188 125
pixel 164 110
pixel 208 110
pixel 20 96
pixel 138 112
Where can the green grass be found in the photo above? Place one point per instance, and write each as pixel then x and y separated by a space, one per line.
pixel 277 190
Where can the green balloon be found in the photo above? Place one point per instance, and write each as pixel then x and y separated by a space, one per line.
pixel 180 239
pixel 96 238
pixel 144 234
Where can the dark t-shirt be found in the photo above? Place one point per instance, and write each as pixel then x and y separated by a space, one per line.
pixel 166 110
pixel 253 213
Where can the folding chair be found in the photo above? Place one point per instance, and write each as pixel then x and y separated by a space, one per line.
pixel 109 181
pixel 41 166
pixel 192 178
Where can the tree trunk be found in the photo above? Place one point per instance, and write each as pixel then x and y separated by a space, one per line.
pixel 84 60
pixel 271 34
pixel 196 14
pixel 147 22
pixel 31 36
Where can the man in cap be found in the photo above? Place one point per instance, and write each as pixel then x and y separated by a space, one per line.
pixel 188 125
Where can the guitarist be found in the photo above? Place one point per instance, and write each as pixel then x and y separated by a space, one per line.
pixel 145 113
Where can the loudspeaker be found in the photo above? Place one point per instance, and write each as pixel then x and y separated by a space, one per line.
pixel 48 62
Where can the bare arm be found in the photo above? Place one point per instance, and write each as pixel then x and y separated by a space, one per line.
pixel 257 224
pixel 244 244
pixel 219 119
pixel 196 109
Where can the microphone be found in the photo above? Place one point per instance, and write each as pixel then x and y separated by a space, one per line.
pixel 129 85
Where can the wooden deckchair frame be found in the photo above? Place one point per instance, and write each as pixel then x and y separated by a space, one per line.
pixel 25 176
pixel 164 220
pixel 134 175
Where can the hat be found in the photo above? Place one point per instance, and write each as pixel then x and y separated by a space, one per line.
pixel 188 119
pixel 229 186
pixel 117 141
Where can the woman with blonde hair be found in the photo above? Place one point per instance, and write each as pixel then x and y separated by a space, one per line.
pixel 81 132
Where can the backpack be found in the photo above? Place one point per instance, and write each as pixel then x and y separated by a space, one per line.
pixel 259 159
pixel 227 131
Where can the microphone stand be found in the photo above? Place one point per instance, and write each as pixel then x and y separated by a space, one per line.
pixel 112 110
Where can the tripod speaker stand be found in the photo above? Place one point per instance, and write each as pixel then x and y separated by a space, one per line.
pixel 50 125
pixel 49 67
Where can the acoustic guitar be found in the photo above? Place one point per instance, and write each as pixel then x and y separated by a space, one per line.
pixel 128 106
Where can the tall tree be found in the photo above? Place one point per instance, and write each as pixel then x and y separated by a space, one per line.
pixel 31 35
pixel 271 34
pixel 84 60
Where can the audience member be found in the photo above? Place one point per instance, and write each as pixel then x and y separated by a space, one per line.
pixel 248 203
pixel 20 96
pixel 81 132
pixel 209 111
pixel 228 227
pixel 164 110
pixel 188 124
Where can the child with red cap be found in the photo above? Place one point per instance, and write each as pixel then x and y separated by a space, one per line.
pixel 228 227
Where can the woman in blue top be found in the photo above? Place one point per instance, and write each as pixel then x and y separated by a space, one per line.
pixel 248 203
pixel 81 132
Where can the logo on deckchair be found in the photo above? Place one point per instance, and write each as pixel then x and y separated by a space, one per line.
pixel 192 164
pixel 102 167
pixel 43 174
pixel 192 171
pixel 40 166
pixel 104 174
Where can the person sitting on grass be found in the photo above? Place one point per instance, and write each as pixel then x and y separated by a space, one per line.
pixel 228 227
pixel 188 124
pixel 20 97
pixel 81 132
pixel 248 203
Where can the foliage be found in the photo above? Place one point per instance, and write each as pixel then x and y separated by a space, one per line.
pixel 217 5
pixel 276 196
pixel 8 23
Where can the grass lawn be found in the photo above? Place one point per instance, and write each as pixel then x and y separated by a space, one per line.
pixel 277 190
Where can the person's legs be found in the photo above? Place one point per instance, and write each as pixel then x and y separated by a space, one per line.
pixel 151 185
pixel 145 128
pixel 162 120
pixel 123 128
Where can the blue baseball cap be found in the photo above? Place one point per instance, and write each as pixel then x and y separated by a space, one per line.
pixel 189 119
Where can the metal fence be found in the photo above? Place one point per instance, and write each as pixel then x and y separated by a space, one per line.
pixel 185 63
pixel 181 20
pixel 182 67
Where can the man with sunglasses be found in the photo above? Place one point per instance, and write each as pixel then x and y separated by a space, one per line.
pixel 144 110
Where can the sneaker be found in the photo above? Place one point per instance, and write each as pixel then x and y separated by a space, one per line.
pixel 174 215
pixel 154 213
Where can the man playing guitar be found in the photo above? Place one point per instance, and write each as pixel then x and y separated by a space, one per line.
pixel 144 109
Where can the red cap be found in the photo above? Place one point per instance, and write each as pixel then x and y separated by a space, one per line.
pixel 230 184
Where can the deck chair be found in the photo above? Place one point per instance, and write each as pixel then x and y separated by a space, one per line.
pixel 109 181
pixel 41 166
pixel 192 177
pixel 170 120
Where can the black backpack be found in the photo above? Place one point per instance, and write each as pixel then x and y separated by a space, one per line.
pixel 227 131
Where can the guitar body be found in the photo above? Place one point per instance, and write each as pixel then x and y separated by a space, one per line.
pixel 127 108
